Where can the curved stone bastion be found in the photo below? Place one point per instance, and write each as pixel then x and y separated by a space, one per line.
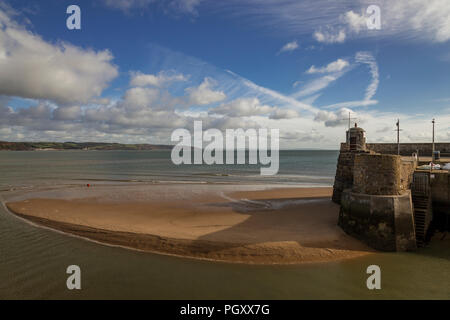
pixel 378 210
pixel 373 190
pixel 387 200
pixel 384 222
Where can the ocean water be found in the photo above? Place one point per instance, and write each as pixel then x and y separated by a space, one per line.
pixel 33 260
pixel 50 167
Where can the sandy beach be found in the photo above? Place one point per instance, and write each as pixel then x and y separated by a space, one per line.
pixel 265 226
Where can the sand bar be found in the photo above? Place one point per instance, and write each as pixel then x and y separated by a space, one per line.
pixel 272 226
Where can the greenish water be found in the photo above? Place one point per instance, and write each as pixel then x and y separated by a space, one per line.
pixel 33 260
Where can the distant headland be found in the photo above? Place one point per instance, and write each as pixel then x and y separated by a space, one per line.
pixel 33 146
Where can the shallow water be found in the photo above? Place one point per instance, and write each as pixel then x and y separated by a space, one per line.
pixel 33 260
pixel 49 167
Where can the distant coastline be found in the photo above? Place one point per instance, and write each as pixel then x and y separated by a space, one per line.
pixel 102 146
pixel 49 146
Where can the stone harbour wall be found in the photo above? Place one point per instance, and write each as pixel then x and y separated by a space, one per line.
pixel 440 192
pixel 383 222
pixel 440 187
pixel 406 173
pixel 344 174
pixel 371 173
pixel 373 187
pixel 377 174
pixel 407 149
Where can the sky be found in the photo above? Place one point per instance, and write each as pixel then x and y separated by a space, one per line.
pixel 139 69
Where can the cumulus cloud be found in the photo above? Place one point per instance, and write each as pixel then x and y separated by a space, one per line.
pixel 247 107
pixel 204 94
pixel 279 114
pixel 33 68
pixel 290 46
pixel 139 79
pixel 243 107
pixel 329 36
pixel 334 66
pixel 302 136
pixel 140 98
pixel 356 22
pixel 67 113
pixel 336 118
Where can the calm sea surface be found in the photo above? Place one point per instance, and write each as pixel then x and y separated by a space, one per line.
pixel 33 260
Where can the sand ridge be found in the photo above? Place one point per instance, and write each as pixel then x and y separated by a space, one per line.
pixel 274 226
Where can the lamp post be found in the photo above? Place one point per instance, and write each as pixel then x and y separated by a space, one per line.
pixel 432 154
pixel 398 137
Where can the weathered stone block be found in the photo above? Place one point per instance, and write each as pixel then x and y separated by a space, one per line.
pixel 377 174
pixel 383 222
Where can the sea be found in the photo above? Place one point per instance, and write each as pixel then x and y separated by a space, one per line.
pixel 34 260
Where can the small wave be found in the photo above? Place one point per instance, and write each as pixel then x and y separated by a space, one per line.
pixel 212 174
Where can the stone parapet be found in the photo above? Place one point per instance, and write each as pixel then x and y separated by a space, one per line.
pixel 377 174
pixel 407 149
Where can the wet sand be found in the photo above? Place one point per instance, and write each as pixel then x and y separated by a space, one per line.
pixel 271 226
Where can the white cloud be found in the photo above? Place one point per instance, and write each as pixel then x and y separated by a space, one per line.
pixel 356 22
pixel 203 94
pixel 313 136
pixel 180 6
pixel 243 107
pixel 139 79
pixel 368 58
pixel 186 6
pixel 288 47
pixel 33 68
pixel 67 113
pixel 279 114
pixel 338 21
pixel 128 4
pixel 317 85
pixel 311 99
pixel 334 66
pixel 247 107
pixel 337 118
pixel 361 58
pixel 292 102
pixel 329 36
pixel 140 98
pixel 351 104
pixel 425 20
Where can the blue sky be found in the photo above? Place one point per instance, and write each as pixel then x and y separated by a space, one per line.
pixel 137 69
